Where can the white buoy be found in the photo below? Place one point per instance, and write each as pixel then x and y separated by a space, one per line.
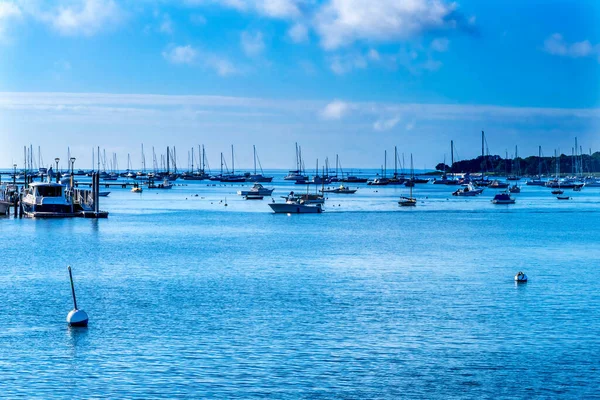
pixel 76 317
pixel 520 277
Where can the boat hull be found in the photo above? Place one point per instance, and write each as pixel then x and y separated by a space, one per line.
pixel 286 208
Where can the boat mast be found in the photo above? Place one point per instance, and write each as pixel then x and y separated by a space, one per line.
pixel 539 162
pixel 384 163
pixel 221 163
pixel 232 162
pixel 192 159
pixel 254 149
pixel 482 157
pixel 168 160
pixel 412 175
pixel 451 157
pixel 395 161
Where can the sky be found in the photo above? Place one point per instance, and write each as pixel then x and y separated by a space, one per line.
pixel 347 77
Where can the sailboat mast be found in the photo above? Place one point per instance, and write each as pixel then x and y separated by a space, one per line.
pixel 540 162
pixel 192 159
pixel 482 156
pixel 254 149
pixel 395 161
pixel 451 155
pixel 384 163
pixel 168 160
pixel 232 162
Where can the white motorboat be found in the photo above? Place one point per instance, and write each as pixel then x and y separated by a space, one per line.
pixel 47 199
pixel 520 277
pixel 256 190
pixel 467 191
pixel 341 190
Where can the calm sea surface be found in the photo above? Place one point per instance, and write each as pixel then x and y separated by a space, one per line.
pixel 189 298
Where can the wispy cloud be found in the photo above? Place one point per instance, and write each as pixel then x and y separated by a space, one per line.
pixel 181 55
pixel 335 110
pixel 556 45
pixel 189 55
pixel 386 124
pixel 8 12
pixel 252 43
pixel 298 33
pixel 76 17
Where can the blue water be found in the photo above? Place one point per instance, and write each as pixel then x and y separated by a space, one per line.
pixel 189 298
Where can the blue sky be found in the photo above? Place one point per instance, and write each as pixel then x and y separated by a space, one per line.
pixel 353 77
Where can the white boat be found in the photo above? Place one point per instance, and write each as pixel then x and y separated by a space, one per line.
pixel 164 185
pixel 520 277
pixel 468 191
pixel 295 207
pixel 256 190
pixel 47 199
pixel 340 190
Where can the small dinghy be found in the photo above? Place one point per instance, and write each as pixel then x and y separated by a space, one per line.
pixel 557 192
pixel 254 197
pixel 563 197
pixel 520 277
pixel 503 198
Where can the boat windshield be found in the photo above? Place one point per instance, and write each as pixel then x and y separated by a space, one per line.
pixel 49 191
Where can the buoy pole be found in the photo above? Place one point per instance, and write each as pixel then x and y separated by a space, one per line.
pixel 72 288
pixel 76 317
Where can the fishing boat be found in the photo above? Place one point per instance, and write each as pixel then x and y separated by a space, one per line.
pixel 503 198
pixel 295 206
pixel 340 190
pixel 467 191
pixel 256 190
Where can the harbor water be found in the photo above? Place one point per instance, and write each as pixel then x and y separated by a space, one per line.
pixel 189 298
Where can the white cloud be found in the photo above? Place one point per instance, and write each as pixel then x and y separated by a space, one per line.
pixel 221 66
pixel 335 110
pixel 298 33
pixel 342 64
pixel 166 24
pixel 279 9
pixel 386 124
pixel 8 12
pixel 77 17
pixel 556 45
pixel 181 55
pixel 342 22
pixel 373 55
pixel 252 43
pixel 440 45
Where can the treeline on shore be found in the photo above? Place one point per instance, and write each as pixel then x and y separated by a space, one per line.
pixel 525 166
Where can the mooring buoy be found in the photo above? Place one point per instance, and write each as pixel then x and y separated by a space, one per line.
pixel 76 317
